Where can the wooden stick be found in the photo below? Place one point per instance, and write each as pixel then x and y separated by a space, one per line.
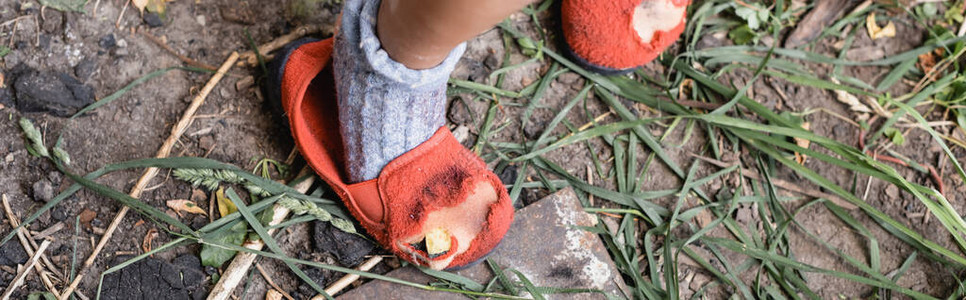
pixel 17 281
pixel 185 59
pixel 348 279
pixel 243 261
pixel 49 231
pixel 24 241
pixel 150 173
pixel 250 58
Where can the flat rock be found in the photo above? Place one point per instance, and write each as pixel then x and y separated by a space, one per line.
pixel 544 244
pixel 151 278
pixel 56 93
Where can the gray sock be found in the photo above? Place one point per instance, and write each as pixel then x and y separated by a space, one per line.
pixel 385 108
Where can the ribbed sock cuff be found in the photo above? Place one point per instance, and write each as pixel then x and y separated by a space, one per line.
pixel 385 108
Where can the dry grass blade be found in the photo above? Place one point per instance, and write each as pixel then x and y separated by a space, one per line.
pixel 185 59
pixel 25 242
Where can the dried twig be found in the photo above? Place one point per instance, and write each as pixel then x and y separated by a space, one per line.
pixel 348 279
pixel 176 133
pixel 94 14
pixel 251 59
pixel 243 261
pixel 28 247
pixel 121 15
pixel 185 59
pixel 49 231
pixel 17 281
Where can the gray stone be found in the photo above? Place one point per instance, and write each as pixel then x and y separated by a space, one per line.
pixel 108 41
pixel 58 213
pixel 121 52
pixel 153 20
pixel 544 244
pixel 43 190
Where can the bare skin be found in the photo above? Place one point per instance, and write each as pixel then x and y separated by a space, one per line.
pixel 421 33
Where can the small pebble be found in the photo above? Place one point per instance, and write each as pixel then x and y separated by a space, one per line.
pixel 153 20
pixel 43 190
pixel 59 213
pixel 107 41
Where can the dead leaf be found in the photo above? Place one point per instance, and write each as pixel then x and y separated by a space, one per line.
pixel 198 195
pixel 157 6
pixel 185 206
pixel 804 143
pixel 876 32
pixel 929 60
pixel 703 218
pixel 140 5
pixel 684 90
pixel 225 206
pixel 273 295
pixel 86 217
pixel 855 105
pixel 148 238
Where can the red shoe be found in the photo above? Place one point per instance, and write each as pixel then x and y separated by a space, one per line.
pixel 616 36
pixel 439 188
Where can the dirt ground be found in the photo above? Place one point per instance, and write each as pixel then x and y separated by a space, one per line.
pixel 236 126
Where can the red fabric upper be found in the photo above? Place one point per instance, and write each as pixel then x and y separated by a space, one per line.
pixel 603 34
pixel 441 173
pixel 438 173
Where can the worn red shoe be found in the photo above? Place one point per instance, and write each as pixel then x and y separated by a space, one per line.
pixel 616 36
pixel 437 205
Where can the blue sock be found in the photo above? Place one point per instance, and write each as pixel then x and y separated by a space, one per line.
pixel 385 108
